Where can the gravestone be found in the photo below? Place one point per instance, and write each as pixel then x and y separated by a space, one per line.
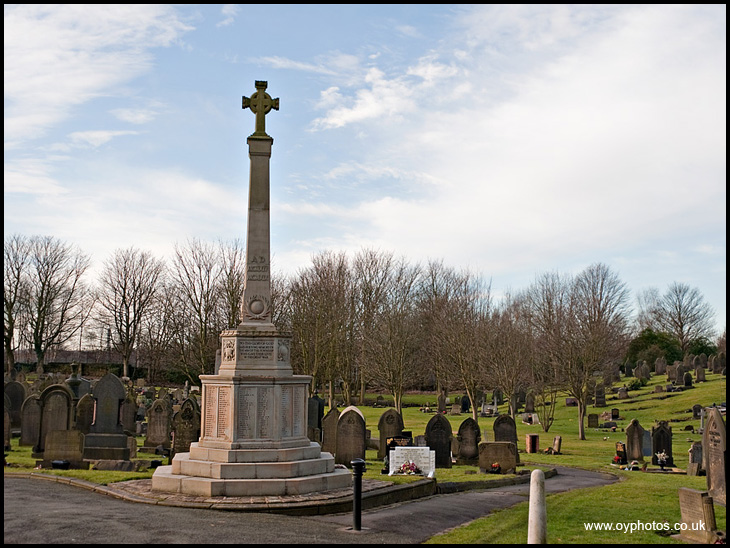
pixel 694 466
pixel 16 393
pixel 84 414
pixel 660 366
pixel 698 516
pixel 696 411
pixel 700 374
pixel 106 439
pixel 713 451
pixel 329 431
pixel 623 393
pixel 502 452
pixel 351 436
pixel 129 412
pixel 661 441
pixel 658 388
pixel 615 414
pixel 441 403
pixel 679 374
pixel 159 425
pixel 56 414
pixel 185 426
pixel 30 427
pixel 423 457
pixel 623 457
pixel 634 441
pixel 600 396
pixel 688 380
pixel 66 445
pixel 315 414
pixel 671 372
pixel 571 402
pixel 530 403
pixel 455 409
pixel 505 429
pixel 557 444
pixel 390 425
pixel 629 370
pixel 469 436
pixel 438 438
pixel 592 420
pixel 497 396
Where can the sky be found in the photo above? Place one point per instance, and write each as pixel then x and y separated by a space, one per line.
pixel 510 140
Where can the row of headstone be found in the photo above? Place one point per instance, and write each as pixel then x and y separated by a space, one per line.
pixel 641 443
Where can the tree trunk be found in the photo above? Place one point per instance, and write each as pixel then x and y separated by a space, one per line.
pixel 581 416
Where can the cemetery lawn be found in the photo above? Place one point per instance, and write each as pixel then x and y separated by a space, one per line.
pixel 642 499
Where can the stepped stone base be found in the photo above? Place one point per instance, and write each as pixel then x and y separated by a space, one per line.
pixel 213 472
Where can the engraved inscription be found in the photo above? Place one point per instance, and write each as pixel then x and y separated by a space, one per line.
pixel 265 413
pixel 224 407
pixel 286 411
pixel 247 413
pixel 256 349
pixel 211 409
pixel 299 411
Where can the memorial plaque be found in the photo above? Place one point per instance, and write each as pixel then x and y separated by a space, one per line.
pixel 286 411
pixel 255 349
pixel 298 412
pixel 247 413
pixel 423 457
pixel 223 429
pixel 211 407
pixel 265 412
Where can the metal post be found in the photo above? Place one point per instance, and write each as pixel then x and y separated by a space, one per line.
pixel 358 467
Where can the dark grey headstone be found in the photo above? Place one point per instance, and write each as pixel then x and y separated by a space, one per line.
pixel 84 414
pixel 592 420
pixel 661 441
pixel 16 393
pixel 186 426
pixel 159 425
pixel 438 438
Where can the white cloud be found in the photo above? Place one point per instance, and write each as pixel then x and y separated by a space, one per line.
pixel 229 11
pixel 134 115
pixel 96 138
pixel 59 56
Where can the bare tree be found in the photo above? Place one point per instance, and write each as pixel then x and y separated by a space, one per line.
pixel 598 335
pixel 195 273
pixel 510 349
pixel 15 289
pixel 464 336
pixel 682 312
pixel 233 272
pixel 392 342
pixel 56 294
pixel 127 286
pixel 547 302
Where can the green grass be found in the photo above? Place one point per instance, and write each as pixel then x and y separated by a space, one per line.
pixel 638 498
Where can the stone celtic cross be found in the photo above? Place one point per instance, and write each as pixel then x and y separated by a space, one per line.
pixel 260 104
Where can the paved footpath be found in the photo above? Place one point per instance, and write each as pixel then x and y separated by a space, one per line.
pixel 37 511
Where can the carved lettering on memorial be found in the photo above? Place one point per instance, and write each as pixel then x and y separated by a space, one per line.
pixel 286 411
pixel 224 407
pixel 265 412
pixel 256 349
pixel 247 413
pixel 299 411
pixel 211 408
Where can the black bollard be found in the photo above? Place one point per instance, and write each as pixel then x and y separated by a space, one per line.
pixel 358 467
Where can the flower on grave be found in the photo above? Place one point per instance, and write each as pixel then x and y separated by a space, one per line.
pixel 616 459
pixel 409 467
pixel 661 457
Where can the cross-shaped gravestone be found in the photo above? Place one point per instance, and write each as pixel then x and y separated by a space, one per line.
pixel 260 104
